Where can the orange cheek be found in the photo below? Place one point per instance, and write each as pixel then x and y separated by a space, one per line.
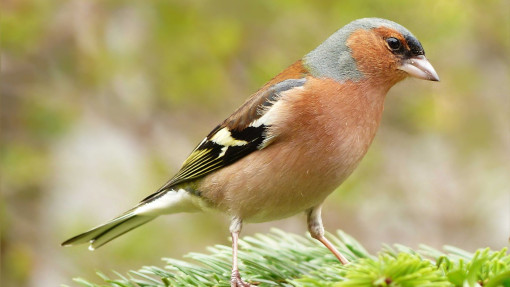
pixel 372 56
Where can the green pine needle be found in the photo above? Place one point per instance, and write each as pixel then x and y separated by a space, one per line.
pixel 283 259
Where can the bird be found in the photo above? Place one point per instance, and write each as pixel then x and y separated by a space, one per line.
pixel 292 142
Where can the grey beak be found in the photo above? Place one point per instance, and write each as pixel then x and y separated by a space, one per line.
pixel 419 67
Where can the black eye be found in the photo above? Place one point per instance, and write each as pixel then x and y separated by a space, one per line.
pixel 394 43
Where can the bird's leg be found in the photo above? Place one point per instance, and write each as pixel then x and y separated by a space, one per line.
pixel 317 231
pixel 235 279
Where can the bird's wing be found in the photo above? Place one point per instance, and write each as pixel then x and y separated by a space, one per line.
pixel 244 132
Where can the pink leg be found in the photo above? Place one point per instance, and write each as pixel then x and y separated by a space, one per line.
pixel 317 231
pixel 235 278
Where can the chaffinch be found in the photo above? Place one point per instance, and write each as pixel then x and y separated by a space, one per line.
pixel 293 141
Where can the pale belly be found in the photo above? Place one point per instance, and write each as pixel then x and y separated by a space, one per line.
pixel 278 182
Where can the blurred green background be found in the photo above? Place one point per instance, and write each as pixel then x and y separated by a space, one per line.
pixel 101 101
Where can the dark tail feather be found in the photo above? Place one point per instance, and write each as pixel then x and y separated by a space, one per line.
pixel 103 234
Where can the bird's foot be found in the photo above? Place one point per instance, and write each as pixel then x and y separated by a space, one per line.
pixel 236 281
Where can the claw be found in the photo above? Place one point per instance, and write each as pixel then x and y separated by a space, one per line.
pixel 236 281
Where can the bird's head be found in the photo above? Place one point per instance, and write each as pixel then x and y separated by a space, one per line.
pixel 370 48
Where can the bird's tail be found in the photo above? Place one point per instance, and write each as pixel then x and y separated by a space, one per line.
pixel 103 234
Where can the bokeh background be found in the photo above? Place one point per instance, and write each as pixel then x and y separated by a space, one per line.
pixel 101 101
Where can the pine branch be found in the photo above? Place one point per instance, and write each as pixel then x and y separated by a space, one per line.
pixel 283 259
